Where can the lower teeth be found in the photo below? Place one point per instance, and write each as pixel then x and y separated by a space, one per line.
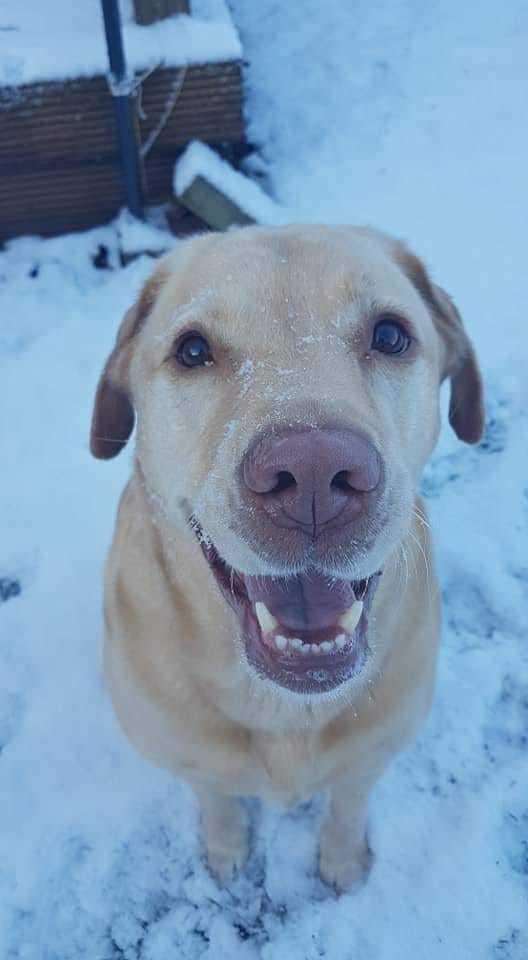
pixel 284 644
pixel 268 625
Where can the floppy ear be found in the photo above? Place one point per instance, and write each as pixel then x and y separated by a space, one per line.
pixel 113 414
pixel 466 407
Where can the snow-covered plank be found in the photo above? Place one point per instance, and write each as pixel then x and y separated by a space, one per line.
pixel 212 205
pixel 219 194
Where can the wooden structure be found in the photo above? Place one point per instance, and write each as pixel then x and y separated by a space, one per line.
pixel 59 161
pixel 147 11
pixel 213 206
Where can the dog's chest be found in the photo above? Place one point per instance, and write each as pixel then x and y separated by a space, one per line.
pixel 286 768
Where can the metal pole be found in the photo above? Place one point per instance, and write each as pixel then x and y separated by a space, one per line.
pixel 120 88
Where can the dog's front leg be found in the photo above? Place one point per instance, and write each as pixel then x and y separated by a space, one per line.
pixel 225 831
pixel 345 857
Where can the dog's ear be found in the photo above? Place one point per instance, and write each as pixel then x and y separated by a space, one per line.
pixel 113 413
pixel 466 407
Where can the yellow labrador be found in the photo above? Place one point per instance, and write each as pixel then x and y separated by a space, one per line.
pixel 271 610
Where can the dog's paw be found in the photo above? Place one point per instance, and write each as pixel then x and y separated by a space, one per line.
pixel 228 850
pixel 344 869
pixel 226 862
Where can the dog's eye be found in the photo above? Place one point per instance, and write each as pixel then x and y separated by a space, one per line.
pixel 390 336
pixel 194 351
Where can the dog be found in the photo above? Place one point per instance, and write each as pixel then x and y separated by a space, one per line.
pixel 271 608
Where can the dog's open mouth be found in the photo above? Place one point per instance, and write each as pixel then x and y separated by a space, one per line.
pixel 306 632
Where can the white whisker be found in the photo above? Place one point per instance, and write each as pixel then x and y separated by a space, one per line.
pixel 421 519
pixel 404 557
pixel 428 579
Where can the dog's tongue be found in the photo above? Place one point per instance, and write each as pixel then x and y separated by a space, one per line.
pixel 304 602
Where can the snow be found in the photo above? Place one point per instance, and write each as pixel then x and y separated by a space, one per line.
pixel 407 116
pixel 60 40
pixel 199 160
pixel 138 236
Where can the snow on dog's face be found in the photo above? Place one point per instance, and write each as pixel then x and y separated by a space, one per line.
pixel 286 389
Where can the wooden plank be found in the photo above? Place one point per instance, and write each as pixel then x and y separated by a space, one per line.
pixel 159 171
pixel 147 11
pixel 208 203
pixel 48 203
pixel 76 119
pixel 208 105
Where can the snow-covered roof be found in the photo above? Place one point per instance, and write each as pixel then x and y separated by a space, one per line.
pixel 59 40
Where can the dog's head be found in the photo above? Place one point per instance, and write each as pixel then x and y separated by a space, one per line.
pixel 286 387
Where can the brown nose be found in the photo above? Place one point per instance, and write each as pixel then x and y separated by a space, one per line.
pixel 308 478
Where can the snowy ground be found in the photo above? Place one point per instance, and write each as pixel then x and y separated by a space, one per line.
pixel 409 116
